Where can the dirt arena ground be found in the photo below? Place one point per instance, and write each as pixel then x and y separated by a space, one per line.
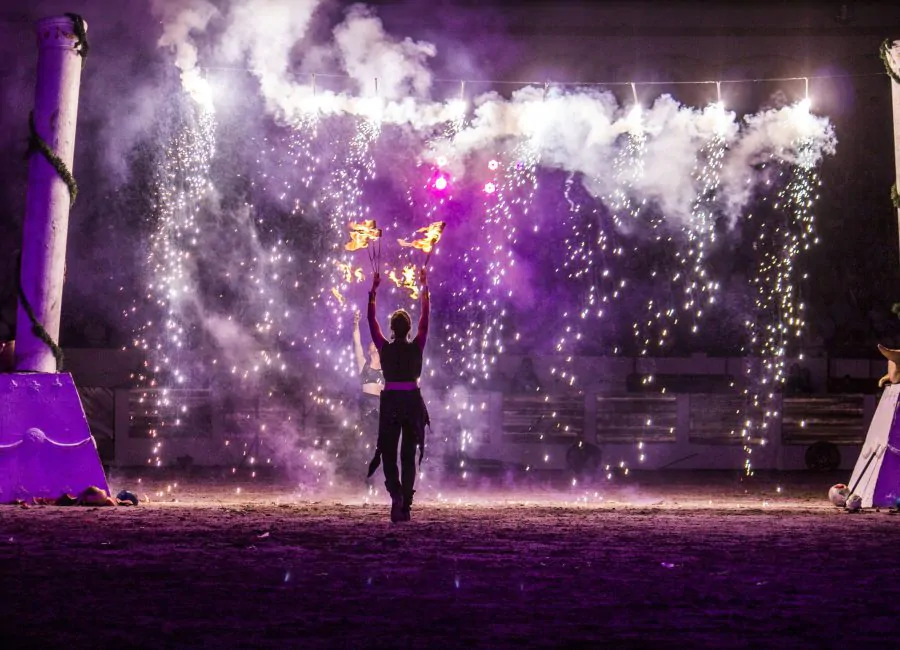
pixel 701 561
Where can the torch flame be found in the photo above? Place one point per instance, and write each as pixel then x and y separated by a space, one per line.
pixel 350 274
pixel 406 280
pixel 361 234
pixel 431 236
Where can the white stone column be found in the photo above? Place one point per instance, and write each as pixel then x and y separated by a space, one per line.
pixel 47 210
pixel 894 54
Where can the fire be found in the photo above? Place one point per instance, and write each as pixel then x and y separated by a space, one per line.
pixel 337 294
pixel 406 280
pixel 361 234
pixel 350 274
pixel 431 236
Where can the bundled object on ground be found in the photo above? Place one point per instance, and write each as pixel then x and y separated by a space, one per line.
pixel 838 494
pixel 124 497
pixel 90 497
pixel 94 496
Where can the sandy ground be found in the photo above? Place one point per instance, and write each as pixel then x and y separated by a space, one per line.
pixel 699 561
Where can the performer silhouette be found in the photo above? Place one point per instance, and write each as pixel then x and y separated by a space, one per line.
pixel 402 414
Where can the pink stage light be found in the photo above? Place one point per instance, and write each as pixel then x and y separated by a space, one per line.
pixel 440 183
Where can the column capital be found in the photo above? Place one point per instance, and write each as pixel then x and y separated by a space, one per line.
pixel 56 32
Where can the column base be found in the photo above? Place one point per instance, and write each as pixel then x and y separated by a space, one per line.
pixel 46 447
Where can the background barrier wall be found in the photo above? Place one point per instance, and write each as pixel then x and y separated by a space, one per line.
pixel 617 407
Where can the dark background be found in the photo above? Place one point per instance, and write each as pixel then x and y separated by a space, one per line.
pixel 852 272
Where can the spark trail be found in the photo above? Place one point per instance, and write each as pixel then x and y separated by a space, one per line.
pixel 774 333
pixel 181 187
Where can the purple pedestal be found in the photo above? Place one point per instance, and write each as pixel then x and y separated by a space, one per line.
pixel 887 486
pixel 876 477
pixel 46 447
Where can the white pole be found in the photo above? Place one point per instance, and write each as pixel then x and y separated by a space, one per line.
pixel 47 209
pixel 894 55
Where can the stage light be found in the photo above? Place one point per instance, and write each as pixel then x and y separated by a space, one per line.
pixel 441 161
pixel 440 183
pixel 492 165
pixel 457 109
pixel 634 115
pixel 489 188
pixel 721 117
pixel 199 88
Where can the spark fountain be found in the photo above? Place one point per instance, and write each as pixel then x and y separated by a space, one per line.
pixel 637 244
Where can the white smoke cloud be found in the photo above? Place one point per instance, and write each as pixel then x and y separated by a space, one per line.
pixel 263 34
pixel 181 19
pixel 577 131
pixel 785 133
pixel 265 37
pixel 242 350
pixel 369 53
pixel 676 135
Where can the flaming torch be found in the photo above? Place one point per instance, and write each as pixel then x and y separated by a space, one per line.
pixel 431 234
pixel 360 235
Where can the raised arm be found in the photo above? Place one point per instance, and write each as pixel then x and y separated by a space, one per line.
pixel 357 343
pixel 422 334
pixel 374 328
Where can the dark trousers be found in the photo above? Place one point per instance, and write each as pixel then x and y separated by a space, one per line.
pixel 401 423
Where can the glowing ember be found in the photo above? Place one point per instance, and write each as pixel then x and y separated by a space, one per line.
pixel 337 294
pixel 440 183
pixel 490 188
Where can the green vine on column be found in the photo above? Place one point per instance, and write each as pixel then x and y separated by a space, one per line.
pixel 81 42
pixel 37 144
pixel 884 52
pixel 36 327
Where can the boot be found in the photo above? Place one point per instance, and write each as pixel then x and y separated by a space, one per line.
pixel 396 506
pixel 397 511
pixel 407 504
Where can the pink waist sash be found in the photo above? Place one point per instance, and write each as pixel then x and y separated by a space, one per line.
pixel 401 385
